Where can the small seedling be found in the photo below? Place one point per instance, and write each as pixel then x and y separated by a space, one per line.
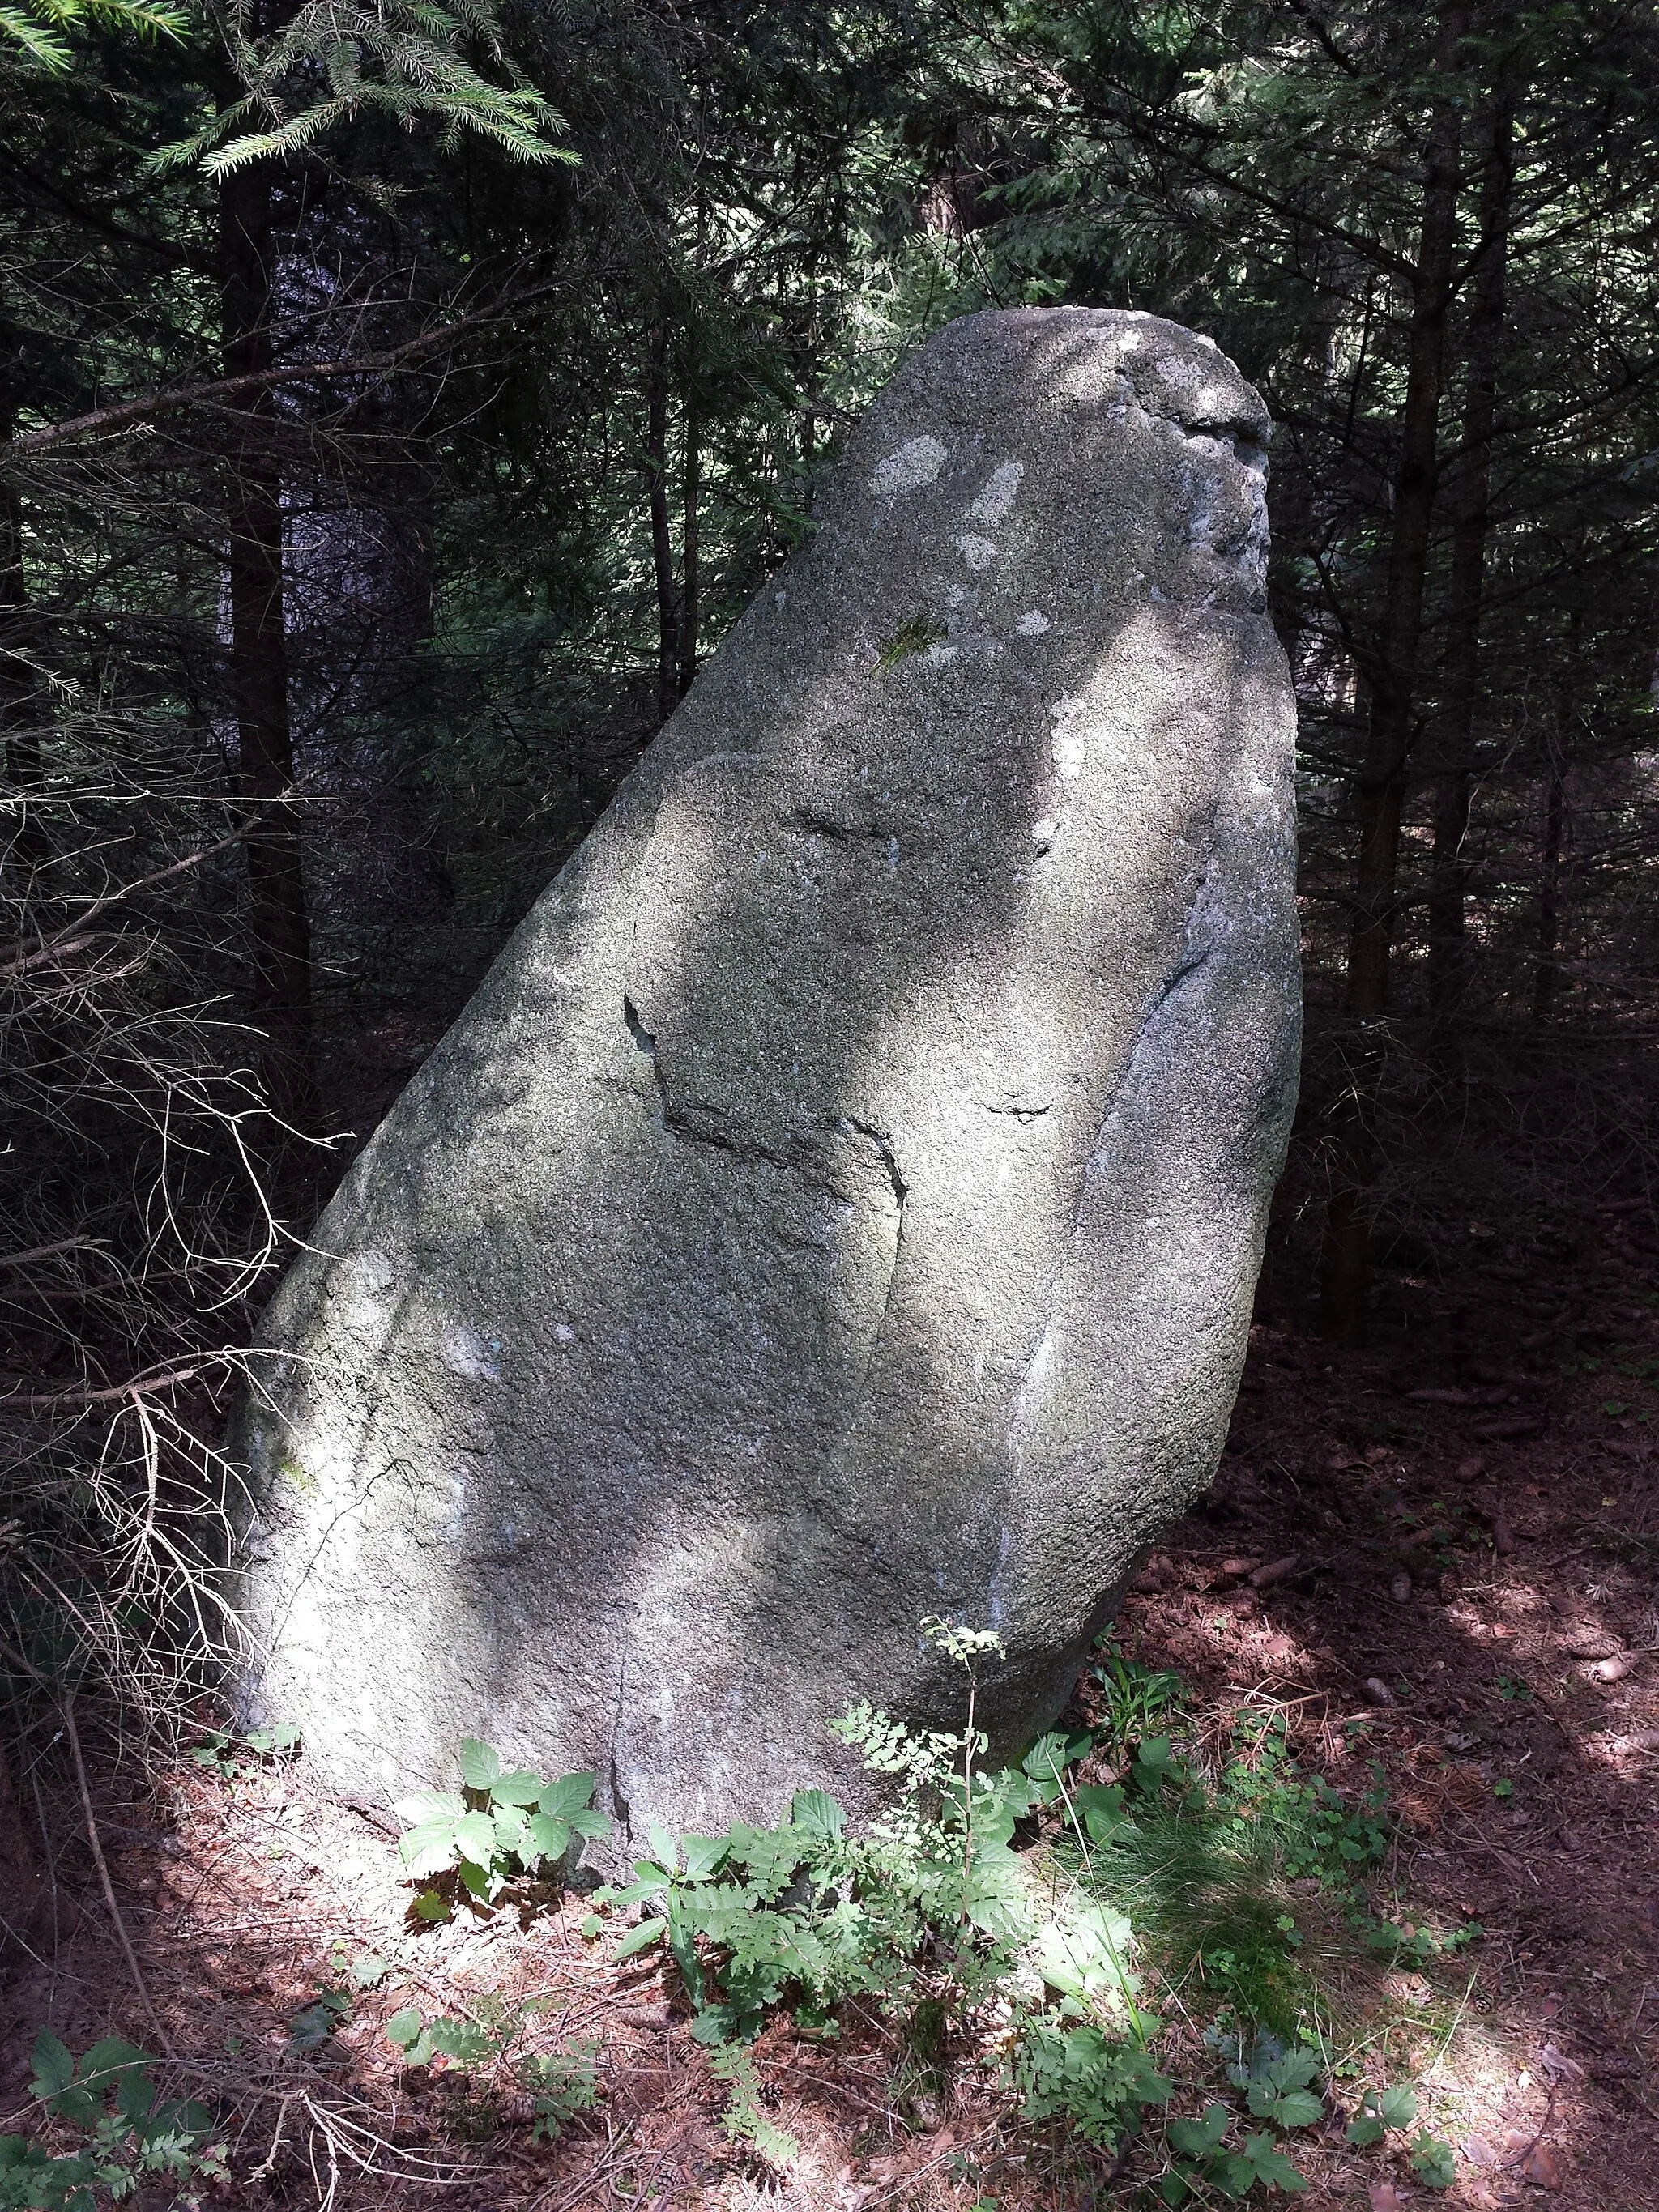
pixel 222 1751
pixel 563 2083
pixel 1433 2162
pixel 1379 2111
pixel 312 2026
pixel 463 2042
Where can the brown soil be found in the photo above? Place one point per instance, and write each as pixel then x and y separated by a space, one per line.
pixel 1509 1689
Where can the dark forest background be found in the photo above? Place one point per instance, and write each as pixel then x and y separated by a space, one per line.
pixel 398 406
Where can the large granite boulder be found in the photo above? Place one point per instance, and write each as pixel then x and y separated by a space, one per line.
pixel 841 1202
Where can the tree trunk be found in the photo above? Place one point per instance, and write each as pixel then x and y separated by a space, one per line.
pixel 662 542
pixel 1548 973
pixel 1450 875
pixel 21 704
pixel 1384 769
pixel 279 926
pixel 689 548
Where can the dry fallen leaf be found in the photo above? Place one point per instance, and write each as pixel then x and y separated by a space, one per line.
pixel 1544 2168
pixel 1385 2197
pixel 1558 2066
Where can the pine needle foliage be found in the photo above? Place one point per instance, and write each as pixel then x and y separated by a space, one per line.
pixel 412 63
pixel 39 30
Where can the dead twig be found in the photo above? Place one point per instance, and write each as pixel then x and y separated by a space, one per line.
pixel 99 1862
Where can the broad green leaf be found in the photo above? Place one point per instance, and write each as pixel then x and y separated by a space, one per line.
pixel 568 1795
pixel 547 1838
pixel 108 2060
pixel 54 2065
pixel 423 1804
pixel 1198 2138
pixel 475 1838
pixel 481 1767
pixel 1288 2108
pixel 640 1938
pixel 480 1882
pixel 994 1896
pixel 1362 2129
pixel 430 1848
pixel 1433 2162
pixel 1081 1953
pixel 714 2024
pixel 135 2095
pixel 1269 2165
pixel 519 1788
pixel 704 1853
pixel 431 1907
pixel 1397 2107
pixel 509 1825
pixel 817 1815
pixel 403 2027
pixel 665 1847
pixel 650 1877
pixel 1099 1806
pixel 590 1824
pixel 1292 2069
pixel 1232 2175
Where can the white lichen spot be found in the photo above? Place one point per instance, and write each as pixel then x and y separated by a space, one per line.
pixel 779 598
pixel 939 655
pixel 1000 491
pixel 467 1353
pixel 1068 739
pixel 1042 832
pixel 1033 625
pixel 977 552
pixel 1175 369
pixel 892 856
pixel 563 1331
pixel 910 467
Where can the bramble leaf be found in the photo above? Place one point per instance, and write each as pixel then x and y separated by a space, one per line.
pixel 481 1767
pixel 519 1788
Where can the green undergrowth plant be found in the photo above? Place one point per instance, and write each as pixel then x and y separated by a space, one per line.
pixel 497 1824
pixel 746 2119
pixel 485 2042
pixel 131 2136
pixel 1011 1919
pixel 1224 1873
pixel 225 1754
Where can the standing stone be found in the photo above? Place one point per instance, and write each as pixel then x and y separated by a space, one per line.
pixel 841 1202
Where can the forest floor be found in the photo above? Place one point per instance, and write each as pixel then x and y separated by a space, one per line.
pixel 1472 1601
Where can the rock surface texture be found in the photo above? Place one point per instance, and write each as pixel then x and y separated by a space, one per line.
pixel 841 1202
